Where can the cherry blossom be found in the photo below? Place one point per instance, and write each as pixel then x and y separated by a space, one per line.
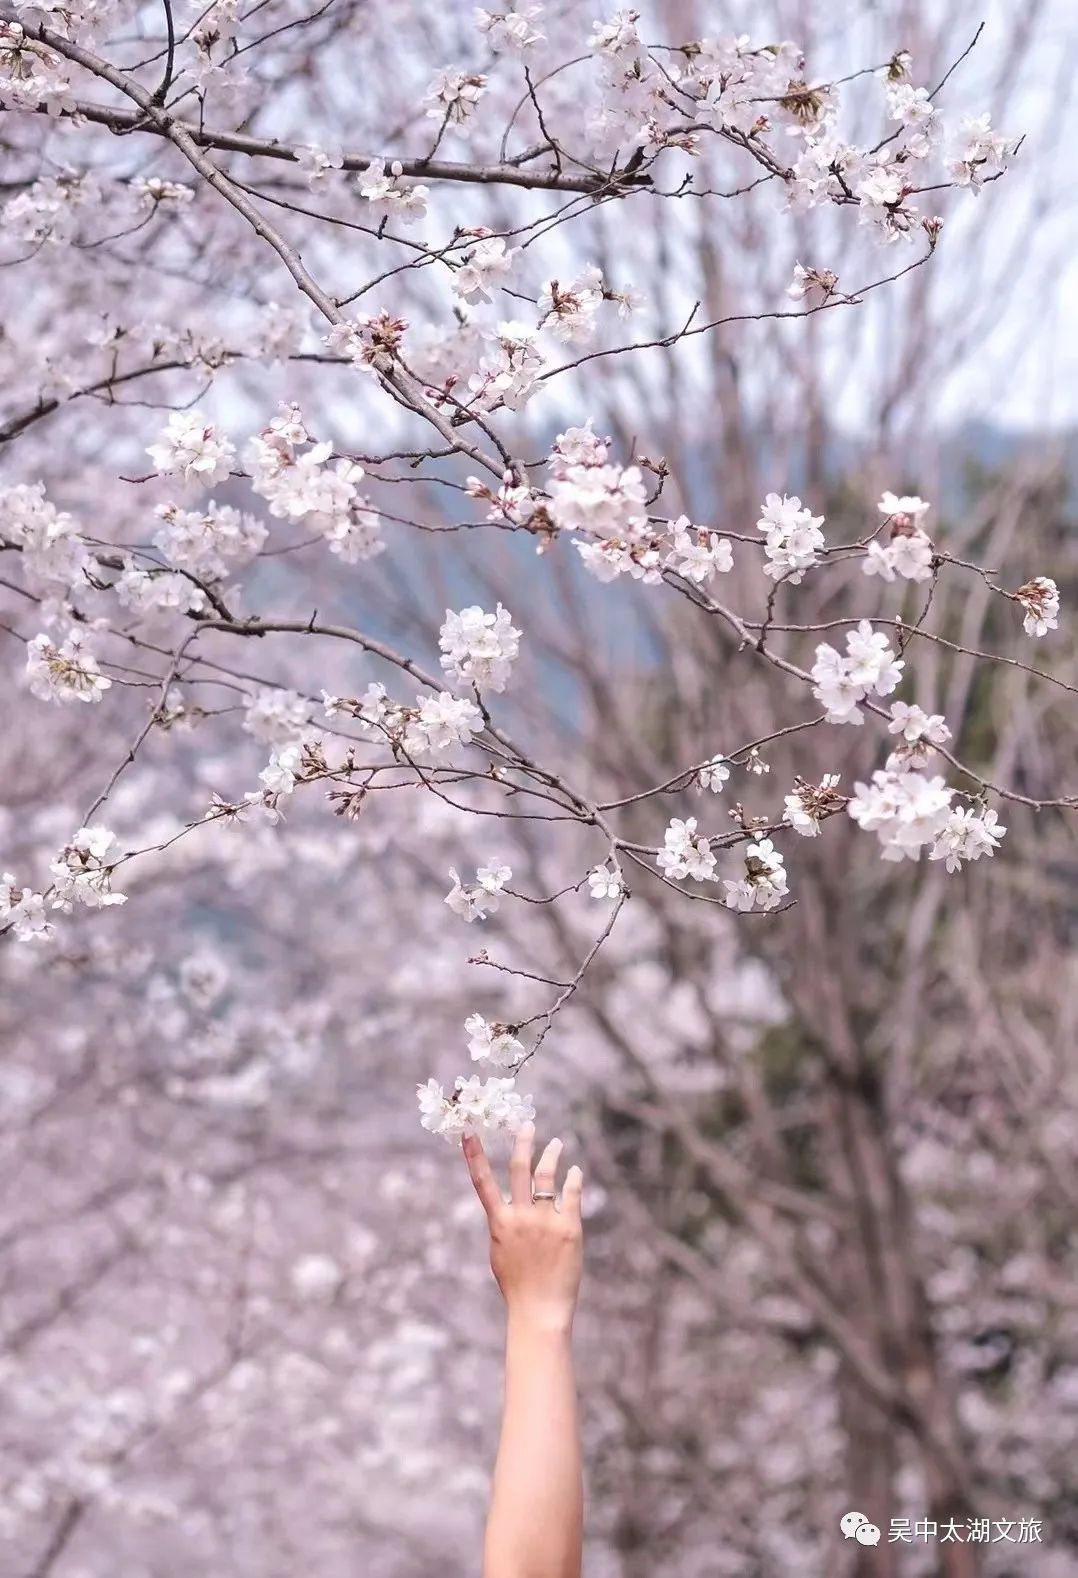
pixel 915 725
pixel 1040 599
pixel 153 190
pixel 806 807
pixel 618 37
pixel 31 77
pixel 696 553
pixel 282 764
pixel 285 766
pixel 388 193
pixel 148 591
pixel 794 538
pixel 67 672
pixel 714 774
pixel 684 854
pixel 764 884
pixel 603 500
pixel 967 835
pixel 207 542
pixel 813 283
pixel 192 450
pixel 315 1277
pixel 473 1106
pixel 81 874
pixel 442 722
pixel 604 882
pixel 53 549
pixel 905 809
pixel 317 162
pixel 492 1043
pixel 508 372
pixel 869 666
pixel 981 153
pixel 908 554
pixel 510 30
pixel 569 311
pixel 280 717
pixel 483 269
pixel 453 95
pixel 479 648
pixel 366 339
pixel 23 910
pixel 480 898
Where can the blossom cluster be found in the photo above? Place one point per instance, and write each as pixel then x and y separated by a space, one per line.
pixel 389 193
pixel 436 723
pixel 793 538
pixel 53 551
pixel 472 1106
pixel 685 853
pixel 479 899
pixel 869 667
pixel 511 30
pixel 910 811
pixel 744 90
pixel 31 77
pixel 1040 599
pixel 479 648
pixel 301 483
pixel 207 543
pixel 68 672
pixel 606 504
pixel 908 552
pixel 81 875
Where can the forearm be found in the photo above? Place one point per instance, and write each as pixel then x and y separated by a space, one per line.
pixel 535 1528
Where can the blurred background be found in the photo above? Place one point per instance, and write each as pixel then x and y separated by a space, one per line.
pixel 246 1323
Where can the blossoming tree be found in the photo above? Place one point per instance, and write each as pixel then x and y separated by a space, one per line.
pixel 318 340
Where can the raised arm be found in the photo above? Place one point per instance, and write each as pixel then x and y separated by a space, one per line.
pixel 535 1525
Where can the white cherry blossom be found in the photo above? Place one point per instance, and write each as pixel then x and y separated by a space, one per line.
pixel 479 648
pixel 684 854
pixel 794 538
pixel 67 672
pixel 483 269
pixel 714 774
pixel 806 807
pixel 980 152
pixel 492 1043
pixel 697 553
pixel 915 725
pixel 1040 599
pixel 192 449
pixel 604 882
pixel 81 872
pixel 764 883
pixel 23 911
pixel 967 835
pixel 510 30
pixel 442 721
pixel 453 95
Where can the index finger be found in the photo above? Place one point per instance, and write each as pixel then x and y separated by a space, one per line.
pixel 482 1175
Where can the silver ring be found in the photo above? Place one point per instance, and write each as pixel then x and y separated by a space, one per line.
pixel 543 1195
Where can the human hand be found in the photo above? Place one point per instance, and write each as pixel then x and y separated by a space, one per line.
pixel 536 1246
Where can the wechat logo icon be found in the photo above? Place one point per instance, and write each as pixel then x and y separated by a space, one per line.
pixel 855 1526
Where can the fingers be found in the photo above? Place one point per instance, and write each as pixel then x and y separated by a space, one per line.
pixel 546 1172
pixel 482 1175
pixel 520 1166
pixel 570 1195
